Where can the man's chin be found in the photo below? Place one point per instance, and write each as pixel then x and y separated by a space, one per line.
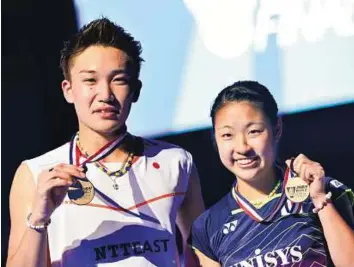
pixel 108 129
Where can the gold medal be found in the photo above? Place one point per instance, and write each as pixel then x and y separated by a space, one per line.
pixel 82 192
pixel 297 190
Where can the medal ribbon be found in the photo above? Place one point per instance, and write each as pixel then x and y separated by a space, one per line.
pixel 74 157
pixel 252 212
pixel 100 154
pixel 296 206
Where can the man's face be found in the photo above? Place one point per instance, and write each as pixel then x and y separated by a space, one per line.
pixel 100 88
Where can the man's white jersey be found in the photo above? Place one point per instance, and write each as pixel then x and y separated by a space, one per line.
pixel 131 226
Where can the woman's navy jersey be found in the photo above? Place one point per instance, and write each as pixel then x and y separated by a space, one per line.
pixel 294 237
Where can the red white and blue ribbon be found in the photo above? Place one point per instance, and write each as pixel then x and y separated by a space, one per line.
pixel 75 153
pixel 253 213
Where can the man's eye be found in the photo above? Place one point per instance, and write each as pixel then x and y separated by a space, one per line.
pixel 121 80
pixel 254 132
pixel 90 80
pixel 226 135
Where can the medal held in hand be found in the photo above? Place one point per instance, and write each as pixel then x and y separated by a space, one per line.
pixel 82 192
pixel 297 190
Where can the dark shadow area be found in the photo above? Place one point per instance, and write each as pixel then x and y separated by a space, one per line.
pixel 35 117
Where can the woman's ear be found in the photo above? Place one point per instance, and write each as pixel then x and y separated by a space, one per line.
pixel 67 91
pixel 278 129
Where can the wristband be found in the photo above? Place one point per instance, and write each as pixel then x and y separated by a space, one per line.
pixel 38 226
pixel 324 203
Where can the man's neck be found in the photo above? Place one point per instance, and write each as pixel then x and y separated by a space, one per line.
pixel 91 142
pixel 258 189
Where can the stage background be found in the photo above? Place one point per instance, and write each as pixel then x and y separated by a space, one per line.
pixel 191 53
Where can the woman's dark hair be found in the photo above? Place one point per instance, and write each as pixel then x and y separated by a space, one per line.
pixel 250 91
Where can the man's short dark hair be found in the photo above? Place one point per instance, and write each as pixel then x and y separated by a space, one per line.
pixel 105 33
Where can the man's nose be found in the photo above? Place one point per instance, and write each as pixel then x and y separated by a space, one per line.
pixel 104 92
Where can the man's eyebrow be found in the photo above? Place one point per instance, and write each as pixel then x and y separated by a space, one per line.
pixel 120 71
pixel 87 71
pixel 114 72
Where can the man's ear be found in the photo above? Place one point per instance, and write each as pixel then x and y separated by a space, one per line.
pixel 136 87
pixel 278 129
pixel 67 91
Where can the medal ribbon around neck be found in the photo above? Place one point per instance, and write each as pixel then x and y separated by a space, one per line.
pixel 252 212
pixel 100 154
pixel 83 191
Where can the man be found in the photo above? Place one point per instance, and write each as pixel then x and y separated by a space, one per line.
pixel 106 198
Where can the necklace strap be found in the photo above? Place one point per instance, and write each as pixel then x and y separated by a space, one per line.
pixel 260 202
pixel 122 170
pixel 112 174
pixel 100 154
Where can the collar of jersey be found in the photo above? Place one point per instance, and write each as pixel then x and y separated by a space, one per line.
pixel 234 207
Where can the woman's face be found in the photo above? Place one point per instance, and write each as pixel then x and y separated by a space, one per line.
pixel 245 140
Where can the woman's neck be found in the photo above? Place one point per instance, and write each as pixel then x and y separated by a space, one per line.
pixel 260 188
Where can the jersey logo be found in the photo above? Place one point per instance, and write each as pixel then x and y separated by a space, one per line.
pixel 288 256
pixel 291 208
pixel 156 165
pixel 229 227
pixel 336 183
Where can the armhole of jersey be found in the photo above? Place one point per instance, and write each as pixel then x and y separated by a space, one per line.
pixel 187 173
pixel 196 249
pixel 31 169
pixel 350 195
pixel 190 164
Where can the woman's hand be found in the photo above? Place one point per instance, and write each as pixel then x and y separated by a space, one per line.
pixel 312 173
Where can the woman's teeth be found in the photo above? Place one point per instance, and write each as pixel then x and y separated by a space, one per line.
pixel 245 161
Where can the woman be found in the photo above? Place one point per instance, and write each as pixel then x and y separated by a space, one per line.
pixel 271 217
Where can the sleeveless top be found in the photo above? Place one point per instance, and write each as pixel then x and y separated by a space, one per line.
pixel 131 226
